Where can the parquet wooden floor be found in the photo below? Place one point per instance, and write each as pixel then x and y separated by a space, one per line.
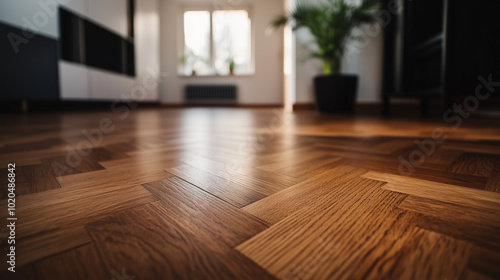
pixel 250 194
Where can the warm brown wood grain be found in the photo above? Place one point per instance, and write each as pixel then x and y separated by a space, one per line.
pixel 61 166
pixel 30 179
pixel 438 257
pixel 45 242
pixel 485 261
pixel 327 230
pixel 474 164
pixel 233 193
pixel 479 226
pixel 493 184
pixel 251 194
pixel 263 181
pixel 82 263
pixel 438 191
pixel 304 168
pixel 282 204
pixel 187 234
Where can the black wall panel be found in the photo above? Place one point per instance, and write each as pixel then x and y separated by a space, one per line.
pixel 71 43
pixel 103 48
pixel 86 42
pixel 32 73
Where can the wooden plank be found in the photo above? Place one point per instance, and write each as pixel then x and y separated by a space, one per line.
pixel 30 179
pixel 262 181
pixel 42 237
pixel 305 168
pixel 276 207
pixel 61 167
pixel 81 161
pixel 338 231
pixel 493 184
pixel 474 164
pixel 45 242
pixel 41 200
pixel 40 144
pixel 430 255
pixel 361 230
pixel 485 261
pixel 89 208
pixel 189 234
pixel 124 177
pixel 479 226
pixel 31 157
pixel 480 148
pixel 233 193
pixel 438 191
pixel 81 263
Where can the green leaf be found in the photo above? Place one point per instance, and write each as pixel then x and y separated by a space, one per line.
pixel 331 24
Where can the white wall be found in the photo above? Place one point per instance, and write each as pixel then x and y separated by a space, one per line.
pixel 31 16
pixel 42 15
pixel 80 82
pixel 364 59
pixel 110 13
pixel 264 87
pixel 147 45
pixel 100 84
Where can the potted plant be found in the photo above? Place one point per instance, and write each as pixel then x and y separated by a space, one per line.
pixel 232 65
pixel 331 23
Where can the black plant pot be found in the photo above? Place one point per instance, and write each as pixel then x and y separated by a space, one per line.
pixel 335 93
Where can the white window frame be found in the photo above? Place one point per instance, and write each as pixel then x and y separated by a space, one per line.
pixel 211 9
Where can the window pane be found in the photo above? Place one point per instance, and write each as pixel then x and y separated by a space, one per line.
pixel 232 41
pixel 197 43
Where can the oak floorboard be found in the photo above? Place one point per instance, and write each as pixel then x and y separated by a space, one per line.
pixel 188 234
pixel 31 146
pixel 53 234
pixel 470 274
pixel 256 194
pixel 233 193
pixel 81 263
pixel 276 207
pixel 30 179
pixel 474 164
pixel 262 181
pixel 338 238
pixel 306 168
pixel 426 171
pixel 479 226
pixel 479 148
pixel 485 261
pixel 493 184
pixel 125 177
pixel 443 192
pixel 45 243
pixel 81 161
pixel 430 255
pixel 31 157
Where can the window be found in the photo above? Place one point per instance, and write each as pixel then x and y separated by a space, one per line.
pixel 216 42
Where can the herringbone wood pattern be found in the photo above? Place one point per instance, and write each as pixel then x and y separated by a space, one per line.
pixel 250 194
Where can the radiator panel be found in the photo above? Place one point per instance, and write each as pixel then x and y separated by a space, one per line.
pixel 211 94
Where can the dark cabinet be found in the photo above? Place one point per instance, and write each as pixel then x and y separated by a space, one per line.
pixel 439 49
